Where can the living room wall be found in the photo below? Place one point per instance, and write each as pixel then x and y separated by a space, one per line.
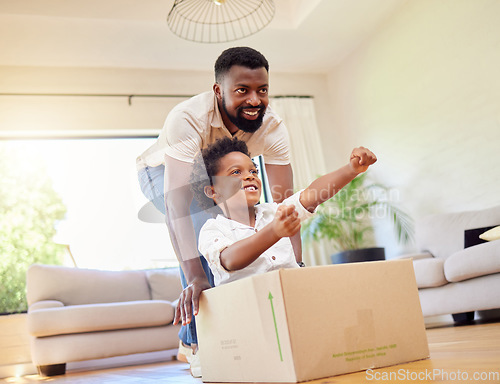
pixel 424 94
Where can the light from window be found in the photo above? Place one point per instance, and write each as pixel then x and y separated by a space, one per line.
pixel 97 180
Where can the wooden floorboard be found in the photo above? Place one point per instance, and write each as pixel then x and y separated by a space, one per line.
pixel 14 340
pixel 463 354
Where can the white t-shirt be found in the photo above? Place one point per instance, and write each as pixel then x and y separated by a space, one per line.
pixel 196 123
pixel 221 232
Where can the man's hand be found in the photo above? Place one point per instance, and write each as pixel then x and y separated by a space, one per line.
pixel 189 301
pixel 361 159
pixel 286 221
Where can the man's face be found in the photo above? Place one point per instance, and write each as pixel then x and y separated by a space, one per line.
pixel 243 95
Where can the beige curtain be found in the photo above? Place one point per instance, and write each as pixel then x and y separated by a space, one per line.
pixel 306 157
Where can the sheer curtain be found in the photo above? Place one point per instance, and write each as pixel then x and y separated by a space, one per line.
pixel 306 157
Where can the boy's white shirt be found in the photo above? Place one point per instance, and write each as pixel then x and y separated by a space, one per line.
pixel 221 232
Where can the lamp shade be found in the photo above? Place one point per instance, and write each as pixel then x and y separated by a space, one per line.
pixel 219 21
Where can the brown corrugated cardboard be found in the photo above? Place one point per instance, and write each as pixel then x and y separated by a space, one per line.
pixel 307 323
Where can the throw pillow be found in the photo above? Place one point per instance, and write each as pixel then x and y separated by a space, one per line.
pixel 492 234
pixel 471 236
pixel 165 284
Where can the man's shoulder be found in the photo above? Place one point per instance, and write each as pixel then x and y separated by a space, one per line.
pixel 271 119
pixel 194 113
pixel 197 105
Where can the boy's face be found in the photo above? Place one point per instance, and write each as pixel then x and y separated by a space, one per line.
pixel 237 182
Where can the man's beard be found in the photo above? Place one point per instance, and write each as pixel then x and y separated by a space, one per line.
pixel 249 126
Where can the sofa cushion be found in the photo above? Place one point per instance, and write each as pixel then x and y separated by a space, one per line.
pixel 429 272
pixel 77 286
pixel 479 260
pixel 99 317
pixel 464 296
pixel 443 234
pixel 165 284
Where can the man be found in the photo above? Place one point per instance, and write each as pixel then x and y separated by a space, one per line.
pixel 237 107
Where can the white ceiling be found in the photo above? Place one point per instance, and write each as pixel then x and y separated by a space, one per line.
pixel 304 36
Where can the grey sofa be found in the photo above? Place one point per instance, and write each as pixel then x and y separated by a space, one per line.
pixel 456 272
pixel 84 314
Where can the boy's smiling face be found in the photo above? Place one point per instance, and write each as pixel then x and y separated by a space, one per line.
pixel 237 182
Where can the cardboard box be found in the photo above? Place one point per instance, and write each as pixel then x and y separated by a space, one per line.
pixel 302 324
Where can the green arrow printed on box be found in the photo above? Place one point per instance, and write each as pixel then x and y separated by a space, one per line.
pixel 270 297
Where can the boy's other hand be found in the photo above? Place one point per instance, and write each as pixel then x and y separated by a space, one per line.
pixel 361 159
pixel 286 221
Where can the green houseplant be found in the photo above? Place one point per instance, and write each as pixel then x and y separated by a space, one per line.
pixel 345 219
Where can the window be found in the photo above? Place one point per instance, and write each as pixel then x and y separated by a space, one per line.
pixel 97 181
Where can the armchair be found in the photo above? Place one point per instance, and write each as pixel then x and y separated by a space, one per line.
pixel 457 273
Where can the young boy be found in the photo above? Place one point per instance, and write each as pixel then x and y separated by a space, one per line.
pixel 250 238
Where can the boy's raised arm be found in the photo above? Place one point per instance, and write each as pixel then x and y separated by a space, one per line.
pixel 326 186
pixel 286 222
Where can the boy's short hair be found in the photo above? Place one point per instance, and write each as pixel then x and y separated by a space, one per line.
pixel 244 56
pixel 206 166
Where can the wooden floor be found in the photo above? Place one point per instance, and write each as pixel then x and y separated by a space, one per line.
pixel 463 354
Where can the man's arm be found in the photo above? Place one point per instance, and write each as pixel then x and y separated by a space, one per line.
pixel 281 182
pixel 178 198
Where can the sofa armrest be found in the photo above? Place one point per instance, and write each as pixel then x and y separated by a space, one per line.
pixel 429 271
pixel 415 256
pixel 478 260
pixel 45 304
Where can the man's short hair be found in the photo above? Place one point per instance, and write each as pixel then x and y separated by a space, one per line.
pixel 243 56
pixel 206 165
